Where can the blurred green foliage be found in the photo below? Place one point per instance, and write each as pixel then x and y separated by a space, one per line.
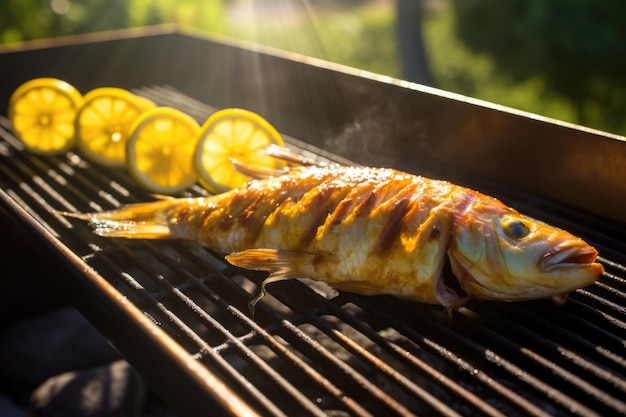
pixel 22 20
pixel 576 47
pixel 558 58
pixel 459 69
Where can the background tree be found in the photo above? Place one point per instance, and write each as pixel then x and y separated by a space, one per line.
pixel 578 47
pixel 409 16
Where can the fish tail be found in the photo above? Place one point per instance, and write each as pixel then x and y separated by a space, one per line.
pixel 134 221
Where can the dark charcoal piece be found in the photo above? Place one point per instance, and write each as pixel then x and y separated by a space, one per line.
pixel 115 390
pixel 34 350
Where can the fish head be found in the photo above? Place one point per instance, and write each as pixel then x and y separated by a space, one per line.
pixel 498 254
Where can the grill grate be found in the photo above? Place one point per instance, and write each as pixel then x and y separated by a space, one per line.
pixel 348 355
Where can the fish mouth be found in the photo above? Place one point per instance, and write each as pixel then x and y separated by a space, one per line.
pixel 568 257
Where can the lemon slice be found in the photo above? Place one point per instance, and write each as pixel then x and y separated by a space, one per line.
pixel 160 149
pixel 104 121
pixel 42 112
pixel 233 134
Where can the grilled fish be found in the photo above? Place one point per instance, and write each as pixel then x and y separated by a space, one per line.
pixel 371 231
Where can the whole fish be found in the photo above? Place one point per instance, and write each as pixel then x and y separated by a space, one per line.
pixel 371 231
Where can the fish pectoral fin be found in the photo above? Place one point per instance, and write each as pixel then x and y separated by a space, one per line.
pixel 282 265
pixel 289 263
pixel 358 287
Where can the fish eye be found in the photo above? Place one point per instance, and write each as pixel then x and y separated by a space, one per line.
pixel 516 229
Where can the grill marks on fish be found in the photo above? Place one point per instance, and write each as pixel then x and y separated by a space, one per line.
pixel 254 212
pixel 366 205
pixel 323 201
pixel 387 205
pixel 380 193
pixel 331 202
pixel 393 227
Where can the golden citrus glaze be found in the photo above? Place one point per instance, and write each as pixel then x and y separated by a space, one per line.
pixel 372 231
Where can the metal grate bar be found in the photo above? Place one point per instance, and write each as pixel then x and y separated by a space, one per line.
pixel 301 341
pixel 508 352
pixel 529 338
pixel 280 350
pixel 430 343
pixel 404 355
pixel 357 349
pixel 545 333
pixel 300 365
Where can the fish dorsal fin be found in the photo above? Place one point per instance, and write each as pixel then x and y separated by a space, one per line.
pixel 163 197
pixel 358 287
pixel 277 152
pixel 289 156
pixel 256 171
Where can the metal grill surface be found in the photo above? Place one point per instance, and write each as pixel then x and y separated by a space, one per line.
pixel 305 354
